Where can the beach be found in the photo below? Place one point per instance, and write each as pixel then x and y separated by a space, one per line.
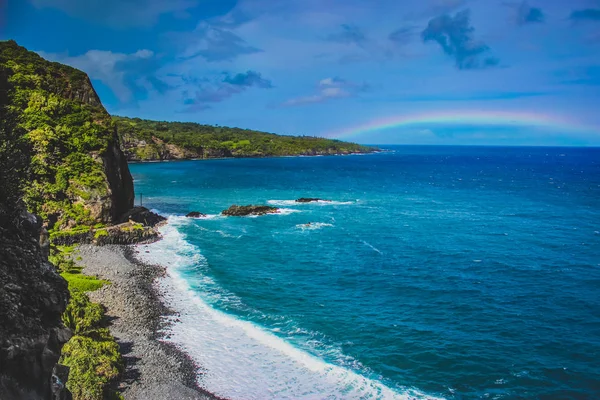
pixel 153 369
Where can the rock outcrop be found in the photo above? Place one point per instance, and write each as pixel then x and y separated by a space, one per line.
pixel 125 233
pixel 309 200
pixel 242 211
pixel 119 178
pixel 33 297
pixel 195 214
pixel 143 216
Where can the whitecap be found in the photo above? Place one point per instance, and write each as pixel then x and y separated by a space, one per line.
pixel 371 246
pixel 313 226
pixel 285 211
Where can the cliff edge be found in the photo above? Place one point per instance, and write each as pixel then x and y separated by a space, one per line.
pixel 78 174
pixel 61 166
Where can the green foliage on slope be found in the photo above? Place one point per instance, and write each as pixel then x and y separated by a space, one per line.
pixel 92 353
pixel 62 130
pixel 155 140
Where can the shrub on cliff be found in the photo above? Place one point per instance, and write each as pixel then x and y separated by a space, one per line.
pixel 82 316
pixel 94 363
pixel 92 354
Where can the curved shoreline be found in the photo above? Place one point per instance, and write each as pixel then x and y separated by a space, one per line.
pixel 154 369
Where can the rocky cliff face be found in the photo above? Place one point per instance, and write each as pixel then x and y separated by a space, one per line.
pixel 59 158
pixel 78 173
pixel 120 181
pixel 32 299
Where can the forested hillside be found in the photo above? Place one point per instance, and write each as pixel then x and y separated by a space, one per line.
pixel 154 140
pixel 68 152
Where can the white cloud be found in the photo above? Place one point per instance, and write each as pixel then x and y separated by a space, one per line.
pixel 328 89
pixel 103 65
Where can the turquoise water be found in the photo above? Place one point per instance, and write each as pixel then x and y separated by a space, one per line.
pixel 456 272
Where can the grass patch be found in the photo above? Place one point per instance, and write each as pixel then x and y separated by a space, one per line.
pixel 100 233
pixel 83 283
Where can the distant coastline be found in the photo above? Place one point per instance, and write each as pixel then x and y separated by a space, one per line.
pixel 358 153
pixel 146 140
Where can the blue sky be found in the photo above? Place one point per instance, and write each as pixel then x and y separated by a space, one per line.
pixel 316 67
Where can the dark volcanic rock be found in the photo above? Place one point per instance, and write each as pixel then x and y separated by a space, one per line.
pixel 143 216
pixel 195 214
pixel 33 297
pixel 309 200
pixel 119 179
pixel 241 211
pixel 126 233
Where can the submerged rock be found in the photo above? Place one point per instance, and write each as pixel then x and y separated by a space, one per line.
pixel 241 211
pixel 195 214
pixel 309 200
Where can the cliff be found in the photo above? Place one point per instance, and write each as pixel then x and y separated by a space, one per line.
pixel 145 140
pixel 60 159
pixel 32 300
pixel 77 174
pixel 33 296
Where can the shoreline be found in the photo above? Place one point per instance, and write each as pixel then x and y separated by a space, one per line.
pixel 154 369
pixel 360 153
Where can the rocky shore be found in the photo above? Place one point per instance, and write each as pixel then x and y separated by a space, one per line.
pixel 153 369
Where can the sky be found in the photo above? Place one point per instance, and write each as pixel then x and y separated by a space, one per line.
pixel 369 71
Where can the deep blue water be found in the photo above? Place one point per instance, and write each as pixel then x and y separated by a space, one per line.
pixel 460 272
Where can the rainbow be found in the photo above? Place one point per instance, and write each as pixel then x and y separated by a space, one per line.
pixel 476 118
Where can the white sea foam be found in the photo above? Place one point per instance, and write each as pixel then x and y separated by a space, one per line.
pixel 285 211
pixel 318 203
pixel 242 360
pixel 313 226
pixel 210 216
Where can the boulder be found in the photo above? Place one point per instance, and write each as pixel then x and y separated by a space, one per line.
pixel 241 211
pixel 195 214
pixel 143 216
pixel 309 200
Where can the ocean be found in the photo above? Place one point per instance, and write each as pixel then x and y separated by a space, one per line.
pixel 433 272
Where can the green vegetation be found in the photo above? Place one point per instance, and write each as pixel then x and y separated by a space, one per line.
pixel 74 233
pixel 62 258
pixel 154 140
pixel 133 227
pixel 92 353
pixel 61 132
pixel 83 283
pixel 100 233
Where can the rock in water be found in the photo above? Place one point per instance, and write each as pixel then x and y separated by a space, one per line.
pixel 242 211
pixel 195 214
pixel 309 200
